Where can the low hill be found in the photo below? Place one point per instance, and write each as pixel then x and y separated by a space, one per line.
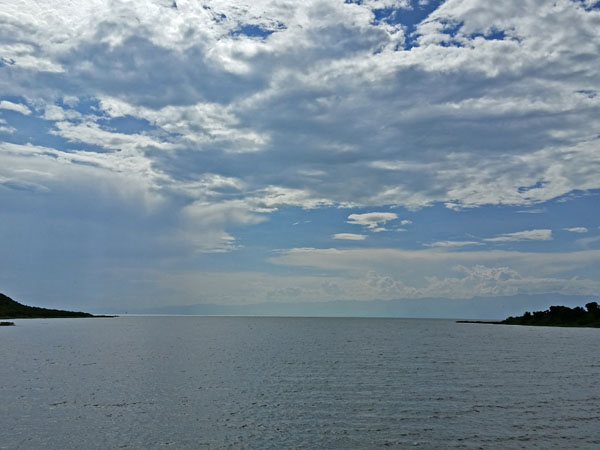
pixel 10 309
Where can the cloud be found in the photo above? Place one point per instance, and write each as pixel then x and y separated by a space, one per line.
pixel 350 236
pixel 6 129
pixel 452 244
pixel 588 242
pixel 204 224
pixel 528 235
pixel 89 132
pixel 433 272
pixel 398 261
pixel 576 229
pixel 197 125
pixel 463 282
pixel 119 178
pixel 531 211
pixel 374 221
pixel 287 97
pixel 17 107
pixel 270 105
pixel 480 280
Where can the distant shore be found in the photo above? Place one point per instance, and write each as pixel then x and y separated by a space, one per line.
pixel 491 322
pixel 555 316
pixel 10 309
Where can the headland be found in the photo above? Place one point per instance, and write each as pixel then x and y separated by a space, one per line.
pixel 10 309
pixel 555 316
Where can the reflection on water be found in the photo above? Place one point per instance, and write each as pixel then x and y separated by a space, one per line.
pixel 259 383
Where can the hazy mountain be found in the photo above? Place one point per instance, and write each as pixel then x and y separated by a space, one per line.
pixel 473 308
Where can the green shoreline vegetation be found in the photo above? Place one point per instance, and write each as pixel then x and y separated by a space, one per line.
pixel 10 309
pixel 555 316
pixel 560 316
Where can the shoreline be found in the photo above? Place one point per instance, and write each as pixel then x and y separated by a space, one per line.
pixel 489 322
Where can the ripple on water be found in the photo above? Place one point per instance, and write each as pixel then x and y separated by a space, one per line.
pixel 215 382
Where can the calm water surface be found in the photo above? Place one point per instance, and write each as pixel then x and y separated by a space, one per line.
pixel 277 383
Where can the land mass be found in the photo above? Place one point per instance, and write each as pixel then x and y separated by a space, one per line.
pixel 560 316
pixel 555 316
pixel 10 309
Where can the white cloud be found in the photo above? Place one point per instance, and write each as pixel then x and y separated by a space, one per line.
pixel 485 281
pixel 350 236
pixel 195 125
pixel 464 282
pixel 274 196
pixel 408 261
pixel 432 272
pixel 55 112
pixel 6 129
pixel 91 133
pixel 452 244
pixel 374 221
pixel 576 229
pixel 528 235
pixel 18 107
pixel 291 94
pixel 121 179
pixel 532 211
pixel 204 225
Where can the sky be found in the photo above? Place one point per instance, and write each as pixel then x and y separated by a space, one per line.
pixel 162 153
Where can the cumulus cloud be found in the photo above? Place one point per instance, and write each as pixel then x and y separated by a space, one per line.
pixel 374 221
pixel 350 236
pixel 463 282
pixel 197 125
pixel 287 92
pixel 433 272
pixel 6 129
pixel 528 235
pixel 486 281
pixel 17 107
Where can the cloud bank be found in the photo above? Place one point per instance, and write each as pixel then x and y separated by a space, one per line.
pixel 466 109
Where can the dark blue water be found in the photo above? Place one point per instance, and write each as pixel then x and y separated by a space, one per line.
pixel 277 383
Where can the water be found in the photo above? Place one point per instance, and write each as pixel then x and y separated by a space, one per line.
pixel 305 383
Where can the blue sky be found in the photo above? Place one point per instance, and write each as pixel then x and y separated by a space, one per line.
pixel 168 153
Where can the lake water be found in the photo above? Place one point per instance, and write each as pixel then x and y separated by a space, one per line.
pixel 305 383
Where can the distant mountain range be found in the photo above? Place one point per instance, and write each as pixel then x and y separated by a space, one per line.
pixel 10 309
pixel 472 308
pixel 492 308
